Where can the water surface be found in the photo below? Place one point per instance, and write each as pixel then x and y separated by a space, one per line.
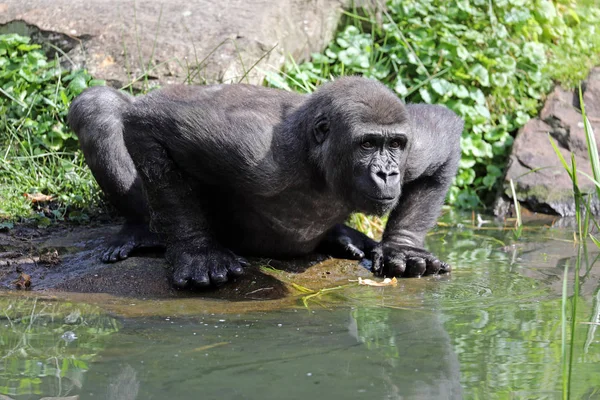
pixel 492 329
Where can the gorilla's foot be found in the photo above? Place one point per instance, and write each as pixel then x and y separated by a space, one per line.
pixel 200 265
pixel 392 260
pixel 132 236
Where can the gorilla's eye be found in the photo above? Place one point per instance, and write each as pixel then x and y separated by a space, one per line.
pixel 367 144
pixel 395 144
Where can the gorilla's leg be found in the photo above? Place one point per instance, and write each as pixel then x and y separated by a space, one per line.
pixel 96 118
pixel 341 241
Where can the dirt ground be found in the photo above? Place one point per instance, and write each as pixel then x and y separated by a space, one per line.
pixel 66 258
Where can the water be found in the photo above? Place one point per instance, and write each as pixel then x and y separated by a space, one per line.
pixel 490 330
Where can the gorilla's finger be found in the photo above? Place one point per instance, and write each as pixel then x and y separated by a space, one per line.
pixel 354 252
pixel 445 268
pixel 395 266
pixel 182 277
pixel 433 266
pixel 237 269
pixel 200 277
pixel 415 266
pixel 218 272
pixel 377 261
pixel 114 255
pixel 125 250
pixel 106 255
pixel 243 262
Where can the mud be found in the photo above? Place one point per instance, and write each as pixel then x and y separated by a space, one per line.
pixel 67 259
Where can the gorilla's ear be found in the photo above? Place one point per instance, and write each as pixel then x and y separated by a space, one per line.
pixel 321 129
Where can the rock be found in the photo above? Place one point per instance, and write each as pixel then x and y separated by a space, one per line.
pixel 541 182
pixel 591 96
pixel 146 273
pixel 176 41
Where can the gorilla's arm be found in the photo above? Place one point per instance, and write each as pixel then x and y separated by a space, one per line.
pixel 431 166
pixel 177 214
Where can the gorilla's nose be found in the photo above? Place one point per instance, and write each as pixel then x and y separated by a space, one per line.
pixel 384 177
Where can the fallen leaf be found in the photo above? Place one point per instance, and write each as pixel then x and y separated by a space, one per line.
pixel 23 282
pixel 107 62
pixel 371 282
pixel 38 197
pixel 210 346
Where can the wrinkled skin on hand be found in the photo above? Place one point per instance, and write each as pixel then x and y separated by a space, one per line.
pixel 199 266
pixel 392 260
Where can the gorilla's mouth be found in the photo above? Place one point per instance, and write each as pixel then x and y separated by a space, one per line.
pixel 383 199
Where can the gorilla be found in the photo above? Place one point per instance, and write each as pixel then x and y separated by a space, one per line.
pixel 218 172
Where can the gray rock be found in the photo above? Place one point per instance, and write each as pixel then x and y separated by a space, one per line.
pixel 77 268
pixel 591 96
pixel 541 182
pixel 170 41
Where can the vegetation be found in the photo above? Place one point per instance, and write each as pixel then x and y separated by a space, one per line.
pixel 46 346
pixel 491 62
pixel 39 153
pixel 582 215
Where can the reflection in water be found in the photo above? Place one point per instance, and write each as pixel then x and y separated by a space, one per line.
pixel 491 330
pixel 364 353
pixel 396 337
pixel 124 386
pixel 46 346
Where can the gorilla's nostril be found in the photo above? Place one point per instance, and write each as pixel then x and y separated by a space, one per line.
pixel 382 175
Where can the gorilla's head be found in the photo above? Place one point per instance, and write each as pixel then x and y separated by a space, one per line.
pixel 360 141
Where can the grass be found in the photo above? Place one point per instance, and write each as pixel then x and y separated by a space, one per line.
pixel 518 229
pixel 391 52
pixel 583 214
pixel 39 154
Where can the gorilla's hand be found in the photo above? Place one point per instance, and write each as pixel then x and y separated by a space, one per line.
pixel 199 266
pixel 391 260
pixel 341 241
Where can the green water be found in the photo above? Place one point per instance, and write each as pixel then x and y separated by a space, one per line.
pixel 490 330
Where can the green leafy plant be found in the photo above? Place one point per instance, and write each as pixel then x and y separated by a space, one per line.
pixel 582 216
pixel 39 152
pixel 491 62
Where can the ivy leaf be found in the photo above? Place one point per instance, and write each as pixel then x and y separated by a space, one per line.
pixel 78 84
pixel 425 95
pixel 499 79
pixel 441 86
pixel 483 111
pixel 400 88
pixel 480 74
pixel 461 92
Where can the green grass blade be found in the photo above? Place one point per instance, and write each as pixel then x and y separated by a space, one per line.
pixel 574 320
pixel 596 241
pixel 563 346
pixel 517 208
pixel 560 156
pixel 591 144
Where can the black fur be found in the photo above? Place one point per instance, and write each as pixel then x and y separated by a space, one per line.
pixel 235 169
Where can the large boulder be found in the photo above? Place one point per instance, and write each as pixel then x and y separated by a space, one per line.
pixel 541 182
pixel 176 41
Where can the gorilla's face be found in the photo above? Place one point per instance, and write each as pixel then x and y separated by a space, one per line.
pixel 379 156
pixel 361 136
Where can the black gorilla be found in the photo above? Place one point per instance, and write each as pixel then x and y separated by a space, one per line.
pixel 227 170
